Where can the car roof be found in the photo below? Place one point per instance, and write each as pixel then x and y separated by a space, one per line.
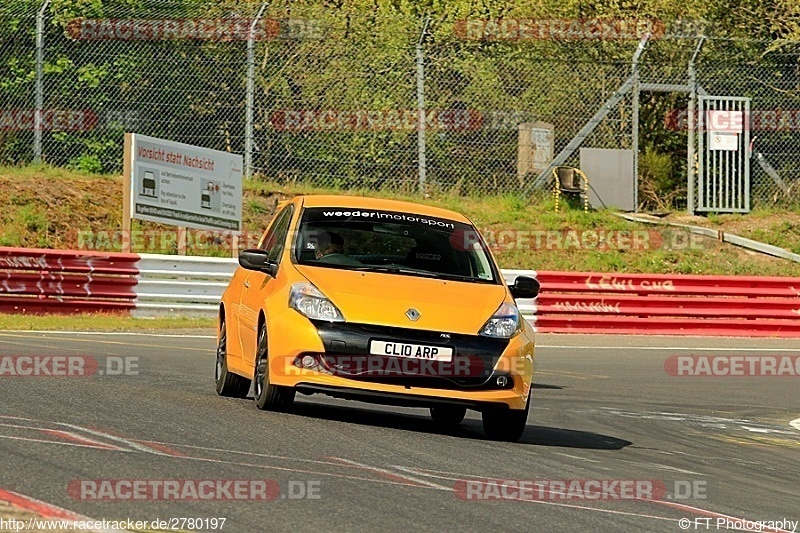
pixel 362 202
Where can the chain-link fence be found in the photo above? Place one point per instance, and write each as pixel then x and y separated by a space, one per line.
pixel 452 102
pixel 772 81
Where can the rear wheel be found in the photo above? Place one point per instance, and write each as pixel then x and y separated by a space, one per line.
pixel 448 416
pixel 506 424
pixel 268 397
pixel 227 383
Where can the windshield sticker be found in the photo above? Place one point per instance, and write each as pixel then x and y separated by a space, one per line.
pixel 389 215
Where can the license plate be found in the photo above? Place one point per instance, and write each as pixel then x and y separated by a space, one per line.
pixel 412 351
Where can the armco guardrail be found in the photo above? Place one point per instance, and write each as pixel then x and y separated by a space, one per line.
pixel 181 284
pixel 587 302
pixel 48 281
pixel 37 281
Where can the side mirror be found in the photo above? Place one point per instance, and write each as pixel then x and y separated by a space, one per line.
pixel 258 260
pixel 524 287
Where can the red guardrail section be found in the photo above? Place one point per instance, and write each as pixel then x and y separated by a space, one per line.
pixel 38 281
pixel 590 302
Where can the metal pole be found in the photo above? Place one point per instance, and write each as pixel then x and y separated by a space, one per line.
pixel 37 110
pixel 690 153
pixel 421 162
pixel 251 66
pixel 590 126
pixel 635 121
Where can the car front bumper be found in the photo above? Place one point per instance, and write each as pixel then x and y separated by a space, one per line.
pixel 343 366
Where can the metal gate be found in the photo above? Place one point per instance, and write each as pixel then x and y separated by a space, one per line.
pixel 723 172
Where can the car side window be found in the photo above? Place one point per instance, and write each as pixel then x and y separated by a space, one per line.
pixel 275 238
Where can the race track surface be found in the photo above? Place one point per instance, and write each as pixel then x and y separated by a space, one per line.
pixel 604 408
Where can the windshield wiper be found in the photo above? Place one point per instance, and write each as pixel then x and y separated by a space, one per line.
pixel 458 277
pixel 394 269
pixel 397 269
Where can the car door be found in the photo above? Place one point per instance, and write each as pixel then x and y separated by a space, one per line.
pixel 258 285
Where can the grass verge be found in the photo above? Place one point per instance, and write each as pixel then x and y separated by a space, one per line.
pixel 103 322
pixel 56 208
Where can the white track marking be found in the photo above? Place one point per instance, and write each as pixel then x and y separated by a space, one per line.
pixel 661 467
pixel 129 443
pixel 60 443
pixel 94 341
pixel 65 435
pixel 383 471
pixel 795 423
pixel 130 333
pixel 576 457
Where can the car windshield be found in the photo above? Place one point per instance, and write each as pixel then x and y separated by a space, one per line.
pixel 393 242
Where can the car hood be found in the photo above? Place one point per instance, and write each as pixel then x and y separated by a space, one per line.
pixel 383 299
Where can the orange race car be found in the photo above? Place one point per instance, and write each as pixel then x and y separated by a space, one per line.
pixel 379 301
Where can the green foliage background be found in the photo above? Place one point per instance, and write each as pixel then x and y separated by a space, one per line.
pixel 194 91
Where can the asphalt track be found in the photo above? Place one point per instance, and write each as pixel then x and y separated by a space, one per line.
pixel 604 409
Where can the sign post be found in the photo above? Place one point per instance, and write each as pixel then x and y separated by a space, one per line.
pixel 127 170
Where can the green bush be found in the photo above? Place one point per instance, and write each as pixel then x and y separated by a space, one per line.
pixel 660 187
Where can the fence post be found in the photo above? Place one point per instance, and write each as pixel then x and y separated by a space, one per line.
pixel 37 110
pixel 420 60
pixel 690 154
pixel 635 126
pixel 251 66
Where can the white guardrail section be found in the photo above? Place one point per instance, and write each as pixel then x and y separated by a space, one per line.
pixel 188 285
pixel 184 285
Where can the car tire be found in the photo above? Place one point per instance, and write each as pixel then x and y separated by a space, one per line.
pixel 506 425
pixel 228 383
pixel 448 416
pixel 268 397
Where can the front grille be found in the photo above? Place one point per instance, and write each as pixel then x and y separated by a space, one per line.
pixel 347 354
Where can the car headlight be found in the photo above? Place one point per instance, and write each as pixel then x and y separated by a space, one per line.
pixel 310 302
pixel 504 323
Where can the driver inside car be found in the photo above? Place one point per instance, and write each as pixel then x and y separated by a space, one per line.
pixel 330 249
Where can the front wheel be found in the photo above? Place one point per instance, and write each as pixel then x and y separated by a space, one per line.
pixel 228 383
pixel 268 397
pixel 506 424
